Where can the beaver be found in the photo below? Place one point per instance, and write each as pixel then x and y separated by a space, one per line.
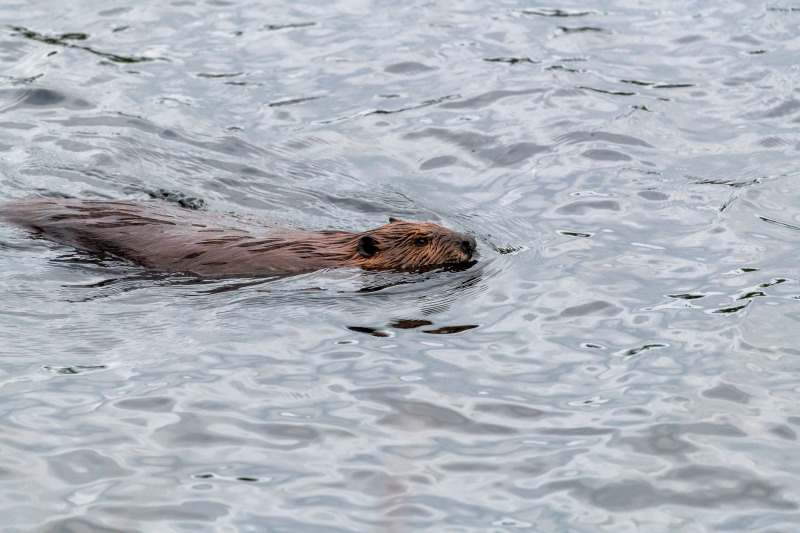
pixel 211 244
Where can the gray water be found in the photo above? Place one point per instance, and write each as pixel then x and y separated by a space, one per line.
pixel 623 357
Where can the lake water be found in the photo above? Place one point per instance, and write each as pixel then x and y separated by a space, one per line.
pixel 623 357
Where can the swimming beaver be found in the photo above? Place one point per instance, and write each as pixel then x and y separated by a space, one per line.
pixel 213 244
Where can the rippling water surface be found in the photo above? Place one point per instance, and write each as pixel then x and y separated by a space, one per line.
pixel 623 357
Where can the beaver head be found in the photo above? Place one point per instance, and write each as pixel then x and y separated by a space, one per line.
pixel 411 245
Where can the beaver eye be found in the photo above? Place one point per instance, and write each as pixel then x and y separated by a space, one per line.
pixel 421 241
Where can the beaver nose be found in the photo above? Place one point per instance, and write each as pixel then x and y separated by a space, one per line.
pixel 468 244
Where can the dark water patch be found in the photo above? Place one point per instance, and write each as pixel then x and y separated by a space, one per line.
pixel 509 410
pixel 719 486
pixel 76 369
pixel 583 29
pixel 751 294
pixel 746 39
pixel 409 415
pixel 511 60
pixel 584 207
pixel 469 468
pixel 775 281
pixel 784 432
pixel 592 346
pixel 216 76
pixel 501 156
pixel 409 68
pixel 554 12
pixel 689 39
pixel 288 26
pixel 240 84
pixel 637 82
pixel 565 69
pixel 450 330
pixel 73 37
pixel 630 352
pixel 773 142
pixel 620 496
pixel 728 202
pixel 707 487
pixel 653 196
pixel 410 323
pixel 742 80
pixel 486 99
pixel 727 392
pixel 154 404
pixel 779 223
pixel 226 144
pixel 577 137
pixel 120 121
pixel 673 85
pixel 64 41
pixel 439 162
pixel 514 154
pixel 686 296
pixel 420 105
pixel 468 140
pixel 410 512
pixel 728 183
pixel 119 278
pixel 730 310
pixel 41 98
pixel 597 308
pixel 359 205
pixel 74 146
pixel 294 101
pixel 58 40
pixel 85 466
pixel 25 80
pixel 369 331
pixel 369 479
pixel 575 234
pixel 115 11
pixel 343 355
pixel 577 432
pixel 605 155
pixel 209 431
pixel 607 91
pixel 784 109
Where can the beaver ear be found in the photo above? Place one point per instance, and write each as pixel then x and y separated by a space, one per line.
pixel 392 219
pixel 368 246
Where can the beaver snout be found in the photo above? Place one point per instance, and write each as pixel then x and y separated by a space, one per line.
pixel 468 244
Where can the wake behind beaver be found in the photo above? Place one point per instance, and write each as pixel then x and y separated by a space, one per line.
pixel 212 244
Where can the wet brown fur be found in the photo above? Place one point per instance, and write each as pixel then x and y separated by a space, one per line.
pixel 213 244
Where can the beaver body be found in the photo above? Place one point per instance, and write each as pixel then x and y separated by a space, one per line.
pixel 213 244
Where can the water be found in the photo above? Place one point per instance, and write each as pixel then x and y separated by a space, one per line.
pixel 623 357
